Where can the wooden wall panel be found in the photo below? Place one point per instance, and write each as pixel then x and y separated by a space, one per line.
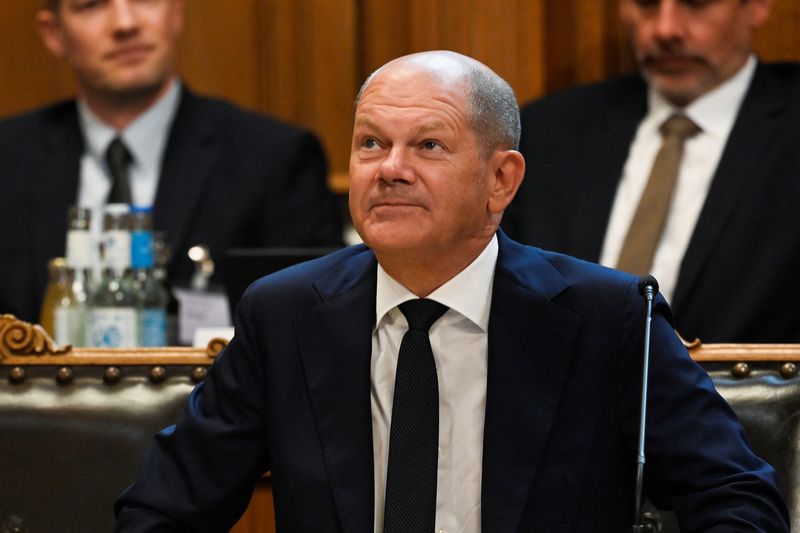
pixel 260 514
pixel 303 60
pixel 308 68
pixel 585 41
pixel 504 34
pixel 292 59
pixel 218 51
pixel 29 75
pixel 780 39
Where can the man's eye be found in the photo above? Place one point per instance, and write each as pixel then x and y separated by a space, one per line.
pixel 697 3
pixel 369 143
pixel 430 145
pixel 83 5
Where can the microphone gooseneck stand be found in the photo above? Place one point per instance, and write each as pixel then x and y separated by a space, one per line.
pixel 648 288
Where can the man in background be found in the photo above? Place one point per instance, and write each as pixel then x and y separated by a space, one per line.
pixel 718 230
pixel 214 174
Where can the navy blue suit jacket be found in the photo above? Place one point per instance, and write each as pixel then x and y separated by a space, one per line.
pixel 291 393
pixel 743 257
pixel 229 179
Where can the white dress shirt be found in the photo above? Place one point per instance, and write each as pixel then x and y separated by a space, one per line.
pixel 146 140
pixel 715 114
pixel 460 347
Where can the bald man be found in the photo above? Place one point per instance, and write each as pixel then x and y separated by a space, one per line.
pixel 521 413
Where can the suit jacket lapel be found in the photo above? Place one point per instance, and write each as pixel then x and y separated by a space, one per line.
pixel 55 185
pixel 623 107
pixel 189 159
pixel 335 342
pixel 761 112
pixel 526 374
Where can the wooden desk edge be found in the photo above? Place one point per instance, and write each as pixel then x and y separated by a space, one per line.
pixel 23 343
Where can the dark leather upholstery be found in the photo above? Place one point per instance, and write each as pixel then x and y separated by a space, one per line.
pixel 768 405
pixel 69 450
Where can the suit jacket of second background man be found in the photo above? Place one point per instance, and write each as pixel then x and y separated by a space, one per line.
pixel 291 393
pixel 740 270
pixel 229 179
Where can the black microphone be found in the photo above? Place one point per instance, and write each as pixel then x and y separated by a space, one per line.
pixel 646 283
pixel 648 288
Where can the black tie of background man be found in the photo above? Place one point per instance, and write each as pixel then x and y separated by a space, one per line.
pixel 118 159
pixel 414 437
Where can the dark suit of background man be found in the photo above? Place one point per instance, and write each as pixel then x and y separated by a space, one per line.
pixel 537 360
pixel 215 174
pixel 730 254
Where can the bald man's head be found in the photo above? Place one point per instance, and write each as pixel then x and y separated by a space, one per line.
pixel 494 112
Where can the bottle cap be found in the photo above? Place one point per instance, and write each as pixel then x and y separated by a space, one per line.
pixel 56 264
pixel 79 218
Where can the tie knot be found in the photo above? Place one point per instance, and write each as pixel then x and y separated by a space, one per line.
pixel 117 153
pixel 422 313
pixel 679 126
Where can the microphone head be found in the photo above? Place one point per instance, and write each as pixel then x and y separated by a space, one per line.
pixel 648 281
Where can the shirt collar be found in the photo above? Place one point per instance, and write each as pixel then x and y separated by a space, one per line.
pixel 469 293
pixel 145 137
pixel 712 111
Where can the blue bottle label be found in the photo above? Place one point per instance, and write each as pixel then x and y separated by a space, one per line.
pixel 112 327
pixel 152 327
pixel 141 249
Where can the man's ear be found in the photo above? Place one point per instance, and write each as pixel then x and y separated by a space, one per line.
pixel 178 16
pixel 50 31
pixel 759 11
pixel 509 169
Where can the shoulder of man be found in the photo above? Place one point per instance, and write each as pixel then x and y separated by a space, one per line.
pixel 235 118
pixel 15 127
pixel 779 76
pixel 336 272
pixel 784 69
pixel 534 265
pixel 586 97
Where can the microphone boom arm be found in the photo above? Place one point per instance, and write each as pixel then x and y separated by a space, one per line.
pixel 648 287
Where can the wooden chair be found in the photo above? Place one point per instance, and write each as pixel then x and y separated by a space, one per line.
pixel 74 423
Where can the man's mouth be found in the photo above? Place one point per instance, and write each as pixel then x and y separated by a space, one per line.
pixel 670 63
pixel 131 52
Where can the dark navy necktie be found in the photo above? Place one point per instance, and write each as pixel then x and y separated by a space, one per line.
pixel 414 436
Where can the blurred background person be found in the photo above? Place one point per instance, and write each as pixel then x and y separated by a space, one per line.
pixel 213 174
pixel 716 219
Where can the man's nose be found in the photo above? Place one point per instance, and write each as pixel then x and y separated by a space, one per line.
pixel 670 21
pixel 396 166
pixel 122 16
